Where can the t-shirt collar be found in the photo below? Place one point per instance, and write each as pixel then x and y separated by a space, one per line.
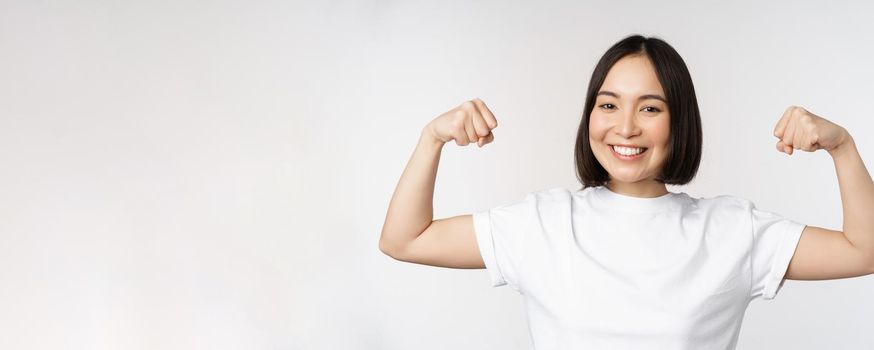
pixel 623 202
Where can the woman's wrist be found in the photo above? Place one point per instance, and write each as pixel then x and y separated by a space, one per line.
pixel 427 137
pixel 845 145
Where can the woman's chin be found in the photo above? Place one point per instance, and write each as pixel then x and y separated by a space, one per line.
pixel 627 178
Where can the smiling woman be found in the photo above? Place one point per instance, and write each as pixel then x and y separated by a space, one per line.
pixel 623 263
pixel 641 122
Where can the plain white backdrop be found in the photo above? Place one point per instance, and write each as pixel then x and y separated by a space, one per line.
pixel 215 175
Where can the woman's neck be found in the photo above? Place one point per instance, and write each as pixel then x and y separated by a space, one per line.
pixel 649 189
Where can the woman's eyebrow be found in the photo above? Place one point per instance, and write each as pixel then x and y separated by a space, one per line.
pixel 642 97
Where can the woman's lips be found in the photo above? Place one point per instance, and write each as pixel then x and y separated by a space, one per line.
pixel 624 157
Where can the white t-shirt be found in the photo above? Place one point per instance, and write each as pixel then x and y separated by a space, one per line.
pixel 601 270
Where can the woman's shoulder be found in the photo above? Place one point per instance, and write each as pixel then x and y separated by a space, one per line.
pixel 723 201
pixel 551 194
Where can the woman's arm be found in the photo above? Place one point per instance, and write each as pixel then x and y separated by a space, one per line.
pixel 822 253
pixel 410 211
pixel 857 195
pixel 411 208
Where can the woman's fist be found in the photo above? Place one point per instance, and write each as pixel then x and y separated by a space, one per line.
pixel 470 122
pixel 800 129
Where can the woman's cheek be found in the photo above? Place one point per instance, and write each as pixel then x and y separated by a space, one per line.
pixel 596 125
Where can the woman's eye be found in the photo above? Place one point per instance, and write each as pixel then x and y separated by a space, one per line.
pixel 651 109
pixel 607 106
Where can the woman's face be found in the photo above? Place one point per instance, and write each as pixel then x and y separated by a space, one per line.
pixel 630 110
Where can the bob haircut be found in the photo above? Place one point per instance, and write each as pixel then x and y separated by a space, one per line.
pixel 684 144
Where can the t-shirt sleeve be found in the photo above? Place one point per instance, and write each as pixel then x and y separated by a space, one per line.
pixel 501 233
pixel 774 241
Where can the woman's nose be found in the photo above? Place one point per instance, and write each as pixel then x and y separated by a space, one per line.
pixel 628 126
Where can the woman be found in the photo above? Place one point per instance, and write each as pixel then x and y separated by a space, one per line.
pixel 623 263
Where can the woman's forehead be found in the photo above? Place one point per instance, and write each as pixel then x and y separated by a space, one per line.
pixel 631 77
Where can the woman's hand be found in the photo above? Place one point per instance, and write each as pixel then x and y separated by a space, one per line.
pixel 470 122
pixel 800 129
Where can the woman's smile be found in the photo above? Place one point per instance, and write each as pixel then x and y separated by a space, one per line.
pixel 628 153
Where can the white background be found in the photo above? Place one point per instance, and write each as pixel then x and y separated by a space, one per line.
pixel 215 175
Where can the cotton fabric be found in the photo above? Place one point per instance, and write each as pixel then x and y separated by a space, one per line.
pixel 601 270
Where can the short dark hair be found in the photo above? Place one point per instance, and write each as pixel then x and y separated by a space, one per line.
pixel 684 145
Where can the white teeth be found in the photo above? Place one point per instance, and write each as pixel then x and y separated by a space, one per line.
pixel 626 151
